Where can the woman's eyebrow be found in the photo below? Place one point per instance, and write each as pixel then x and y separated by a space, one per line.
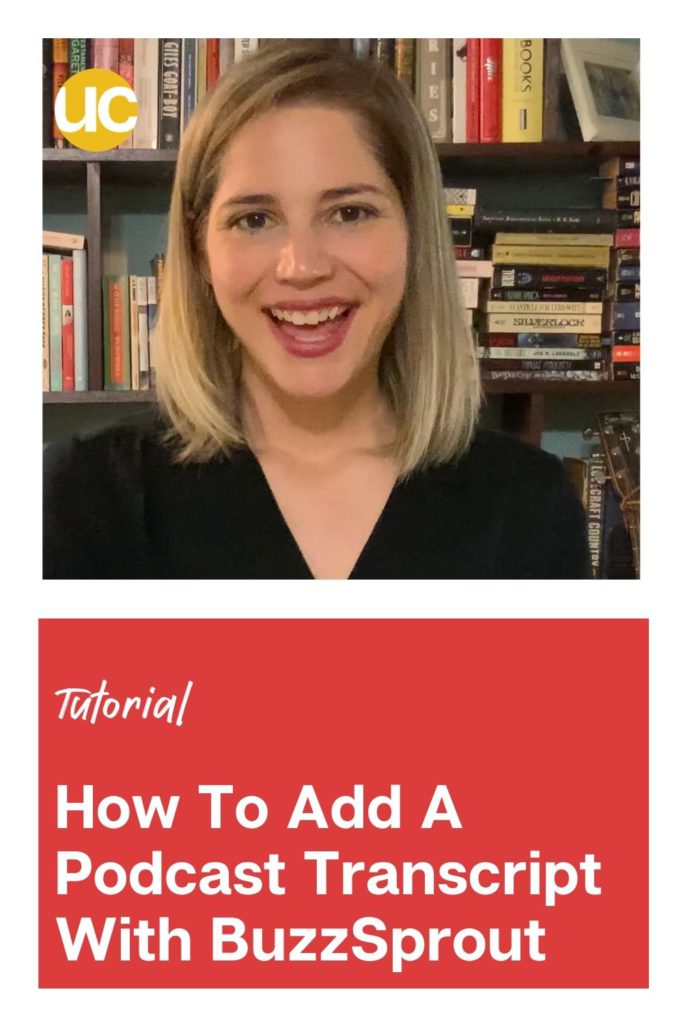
pixel 266 199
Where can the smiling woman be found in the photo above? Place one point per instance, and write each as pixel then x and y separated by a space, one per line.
pixel 318 388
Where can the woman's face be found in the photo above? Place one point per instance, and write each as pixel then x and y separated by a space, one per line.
pixel 306 226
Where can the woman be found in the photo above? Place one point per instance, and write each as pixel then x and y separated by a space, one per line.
pixel 318 387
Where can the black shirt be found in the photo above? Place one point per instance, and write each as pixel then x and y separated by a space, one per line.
pixel 116 506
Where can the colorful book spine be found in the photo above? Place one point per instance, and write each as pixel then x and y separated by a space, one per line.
pixel 60 73
pixel 169 93
pixel 212 62
pixel 55 289
pixel 116 334
pixel 244 48
pixel 189 79
pixel 473 95
pixel 226 56
pixel 405 62
pixel 127 72
pixel 78 56
pixel 80 319
pixel 152 307
pixel 200 76
pixel 106 54
pixel 143 334
pixel 522 95
pixel 491 79
pixel 432 87
pixel 459 90
pixel 46 324
pixel 146 78
pixel 68 359
pixel 134 327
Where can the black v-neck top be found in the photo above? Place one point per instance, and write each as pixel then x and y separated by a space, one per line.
pixel 116 506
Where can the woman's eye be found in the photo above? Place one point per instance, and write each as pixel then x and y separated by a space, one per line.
pixel 353 214
pixel 250 222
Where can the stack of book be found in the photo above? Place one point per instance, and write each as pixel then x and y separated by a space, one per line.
pixel 542 316
pixel 65 312
pixel 130 307
pixel 622 311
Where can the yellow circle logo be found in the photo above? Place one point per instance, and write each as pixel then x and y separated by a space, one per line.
pixel 96 110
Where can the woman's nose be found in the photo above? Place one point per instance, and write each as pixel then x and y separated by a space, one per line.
pixel 303 258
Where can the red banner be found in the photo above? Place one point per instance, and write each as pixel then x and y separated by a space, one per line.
pixel 343 803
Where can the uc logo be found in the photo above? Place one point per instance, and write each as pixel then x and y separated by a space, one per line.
pixel 96 109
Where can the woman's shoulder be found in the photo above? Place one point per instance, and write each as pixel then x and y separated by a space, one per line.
pixel 505 460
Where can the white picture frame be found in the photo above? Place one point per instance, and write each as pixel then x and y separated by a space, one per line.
pixel 603 77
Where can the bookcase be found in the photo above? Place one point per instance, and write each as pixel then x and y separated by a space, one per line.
pixel 78 187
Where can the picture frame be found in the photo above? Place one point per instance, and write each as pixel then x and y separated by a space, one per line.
pixel 603 77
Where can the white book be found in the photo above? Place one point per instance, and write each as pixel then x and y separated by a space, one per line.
pixel 459 90
pixel 244 48
pixel 134 334
pixel 46 326
pixel 143 334
pixel 80 320
pixel 226 55
pixel 146 88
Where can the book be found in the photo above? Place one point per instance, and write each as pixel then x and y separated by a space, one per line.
pixel 61 241
pixel 516 352
pixel 152 307
pixel 47 94
pixel 530 322
pixel 106 54
pixel 134 327
pixel 212 62
pixel 46 326
pixel 200 76
pixel 552 238
pixel 544 219
pixel 544 308
pixel 432 77
pixel 579 256
pixel 55 316
pixel 226 55
pixel 522 90
pixel 146 78
pixel 490 90
pixel 459 90
pixel 540 340
pixel 68 359
pixel 473 90
pixel 544 276
pixel 80 318
pixel 60 73
pixel 126 52
pixel 78 56
pixel 244 48
pixel 474 268
pixel 189 83
pixel 597 477
pixel 143 333
pixel 569 296
pixel 169 93
pixel 116 312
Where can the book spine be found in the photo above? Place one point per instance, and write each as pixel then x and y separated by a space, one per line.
pixel 80 319
pixel 47 94
pixel 143 333
pixel 212 62
pixel 572 296
pixel 551 238
pixel 552 365
pixel 513 352
pixel 200 76
pixel 127 72
pixel 60 73
pixel 551 252
pixel 169 93
pixel 244 48
pixel 626 354
pixel 544 308
pixel 490 88
pixel 134 328
pixel 502 322
pixel 625 337
pixel 627 238
pixel 405 63
pixel 68 361
pixel 106 54
pixel 189 82
pixel 629 292
pixel 151 324
pixel 544 220
pixel 146 77
pixel 473 93
pixel 55 284
pixel 432 83
pixel 459 90
pixel 622 316
pixel 226 57
pixel 540 340
pixel 547 375
pixel 597 474
pixel 522 92
pixel 540 277
pixel 46 324
pixel 511 255
pixel 383 51
pixel 117 334
pixel 78 56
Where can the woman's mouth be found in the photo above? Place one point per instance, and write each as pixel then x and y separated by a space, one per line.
pixel 310 341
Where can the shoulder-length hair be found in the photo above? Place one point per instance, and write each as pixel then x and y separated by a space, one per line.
pixel 428 365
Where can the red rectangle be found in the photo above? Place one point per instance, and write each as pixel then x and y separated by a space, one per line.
pixel 529 738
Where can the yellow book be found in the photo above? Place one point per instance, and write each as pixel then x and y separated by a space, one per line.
pixel 551 255
pixel 522 90
pixel 453 210
pixel 552 238
pixel 201 70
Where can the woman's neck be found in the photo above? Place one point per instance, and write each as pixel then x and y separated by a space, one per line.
pixel 357 419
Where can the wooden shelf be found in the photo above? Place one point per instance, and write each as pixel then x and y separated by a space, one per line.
pixel 97 397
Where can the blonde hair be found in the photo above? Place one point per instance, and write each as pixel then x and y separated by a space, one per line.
pixel 428 365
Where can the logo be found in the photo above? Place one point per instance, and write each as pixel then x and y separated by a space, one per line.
pixel 96 110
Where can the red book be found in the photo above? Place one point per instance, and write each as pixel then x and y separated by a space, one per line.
pixel 126 56
pixel 626 354
pixel 116 370
pixel 212 62
pixel 60 73
pixel 473 90
pixel 627 238
pixel 491 79
pixel 68 360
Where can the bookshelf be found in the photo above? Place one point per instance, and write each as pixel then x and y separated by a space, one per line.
pixel 564 171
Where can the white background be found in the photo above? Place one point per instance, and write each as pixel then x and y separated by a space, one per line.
pixel 27 598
